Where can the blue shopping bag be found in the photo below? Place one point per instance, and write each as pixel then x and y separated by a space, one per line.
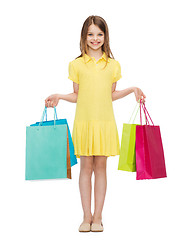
pixel 46 150
pixel 73 158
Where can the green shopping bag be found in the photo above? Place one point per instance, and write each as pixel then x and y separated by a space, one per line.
pixel 127 160
pixel 46 151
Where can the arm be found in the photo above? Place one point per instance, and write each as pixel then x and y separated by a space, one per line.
pixel 122 93
pixel 71 97
pixel 53 100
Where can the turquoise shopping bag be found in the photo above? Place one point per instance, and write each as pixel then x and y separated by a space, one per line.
pixel 60 122
pixel 46 151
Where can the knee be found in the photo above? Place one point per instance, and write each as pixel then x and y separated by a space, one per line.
pixel 99 168
pixel 88 170
pixel 86 167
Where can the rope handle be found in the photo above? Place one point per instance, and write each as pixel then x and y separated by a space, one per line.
pixel 45 113
pixel 142 105
pixel 138 104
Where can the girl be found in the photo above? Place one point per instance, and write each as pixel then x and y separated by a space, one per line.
pixel 94 74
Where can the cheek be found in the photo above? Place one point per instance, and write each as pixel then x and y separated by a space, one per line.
pixel 102 39
pixel 88 39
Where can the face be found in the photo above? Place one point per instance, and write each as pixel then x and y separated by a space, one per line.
pixel 95 37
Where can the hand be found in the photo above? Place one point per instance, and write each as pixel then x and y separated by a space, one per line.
pixel 139 94
pixel 52 100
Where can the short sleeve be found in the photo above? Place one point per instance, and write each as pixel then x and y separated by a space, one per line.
pixel 73 75
pixel 117 72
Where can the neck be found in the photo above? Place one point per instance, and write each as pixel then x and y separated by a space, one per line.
pixel 95 53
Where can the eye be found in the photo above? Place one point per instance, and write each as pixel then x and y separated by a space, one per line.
pixel 100 34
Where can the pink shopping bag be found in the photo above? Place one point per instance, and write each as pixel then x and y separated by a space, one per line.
pixel 150 161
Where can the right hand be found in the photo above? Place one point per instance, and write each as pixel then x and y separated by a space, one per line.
pixel 139 94
pixel 52 100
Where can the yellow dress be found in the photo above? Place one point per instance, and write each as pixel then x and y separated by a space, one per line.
pixel 94 130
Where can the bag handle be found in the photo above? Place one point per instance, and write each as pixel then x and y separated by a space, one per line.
pixel 133 113
pixel 45 113
pixel 138 103
pixel 142 105
pixel 142 108
pixel 148 114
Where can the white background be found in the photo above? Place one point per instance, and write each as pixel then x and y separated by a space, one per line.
pixel 153 41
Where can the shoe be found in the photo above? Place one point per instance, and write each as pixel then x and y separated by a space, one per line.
pixel 85 227
pixel 97 227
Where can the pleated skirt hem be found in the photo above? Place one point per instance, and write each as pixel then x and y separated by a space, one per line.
pixel 101 154
pixel 95 137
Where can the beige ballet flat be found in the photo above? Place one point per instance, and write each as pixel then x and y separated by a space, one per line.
pixel 85 227
pixel 96 227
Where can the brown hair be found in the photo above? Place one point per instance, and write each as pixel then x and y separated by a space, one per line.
pixel 101 23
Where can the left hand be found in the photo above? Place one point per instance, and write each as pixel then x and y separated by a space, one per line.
pixel 139 94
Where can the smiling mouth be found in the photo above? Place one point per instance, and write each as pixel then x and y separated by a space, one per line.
pixel 95 43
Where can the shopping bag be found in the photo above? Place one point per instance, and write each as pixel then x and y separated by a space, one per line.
pixel 68 159
pixel 150 161
pixel 46 151
pixel 127 153
pixel 60 122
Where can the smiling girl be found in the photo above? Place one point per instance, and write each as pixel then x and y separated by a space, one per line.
pixel 95 137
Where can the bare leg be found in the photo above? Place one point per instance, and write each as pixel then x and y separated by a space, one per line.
pixel 99 186
pixel 86 170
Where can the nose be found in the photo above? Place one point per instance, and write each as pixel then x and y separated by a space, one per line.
pixel 95 38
